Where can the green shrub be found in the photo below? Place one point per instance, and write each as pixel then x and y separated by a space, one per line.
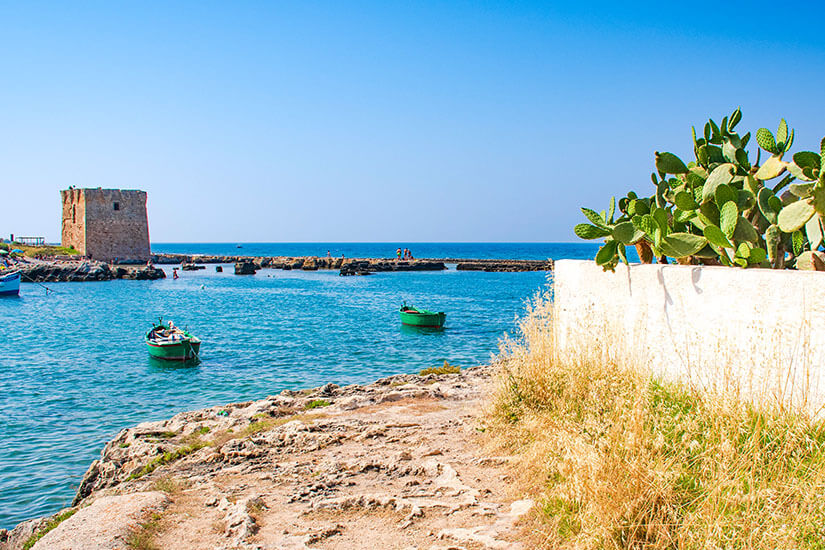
pixel 166 458
pixel 314 404
pixel 446 368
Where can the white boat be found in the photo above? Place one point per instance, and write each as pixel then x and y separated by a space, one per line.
pixel 9 283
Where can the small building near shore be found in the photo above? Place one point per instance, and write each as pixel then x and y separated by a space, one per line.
pixel 106 224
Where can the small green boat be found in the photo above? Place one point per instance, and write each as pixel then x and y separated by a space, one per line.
pixel 166 341
pixel 415 317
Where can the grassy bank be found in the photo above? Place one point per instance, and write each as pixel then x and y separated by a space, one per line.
pixel 619 459
pixel 42 251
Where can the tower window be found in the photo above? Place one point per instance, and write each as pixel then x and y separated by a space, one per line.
pixel 117 206
pixel 74 219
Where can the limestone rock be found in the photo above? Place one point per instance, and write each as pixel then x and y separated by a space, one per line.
pixel 105 524
pixel 245 268
pixel 396 460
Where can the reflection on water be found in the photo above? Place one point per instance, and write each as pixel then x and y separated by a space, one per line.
pixel 422 331
pixel 169 365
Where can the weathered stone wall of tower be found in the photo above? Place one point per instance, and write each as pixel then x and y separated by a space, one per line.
pixel 73 232
pixel 113 222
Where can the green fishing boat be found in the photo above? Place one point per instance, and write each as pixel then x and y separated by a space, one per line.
pixel 415 317
pixel 166 341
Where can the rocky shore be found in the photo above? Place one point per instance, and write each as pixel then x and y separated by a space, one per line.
pixel 395 464
pixel 504 265
pixel 42 271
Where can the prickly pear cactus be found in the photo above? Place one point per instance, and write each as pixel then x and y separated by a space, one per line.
pixel 721 208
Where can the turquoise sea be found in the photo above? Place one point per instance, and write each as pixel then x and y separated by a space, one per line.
pixel 74 369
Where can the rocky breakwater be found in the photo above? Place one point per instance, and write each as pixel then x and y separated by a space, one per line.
pixel 359 266
pixel 38 271
pixel 504 265
pixel 365 267
pixel 395 464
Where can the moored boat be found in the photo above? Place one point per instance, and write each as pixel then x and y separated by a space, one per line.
pixel 414 317
pixel 166 341
pixel 9 283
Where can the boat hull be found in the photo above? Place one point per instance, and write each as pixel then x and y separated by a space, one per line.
pixel 423 319
pixel 177 351
pixel 10 284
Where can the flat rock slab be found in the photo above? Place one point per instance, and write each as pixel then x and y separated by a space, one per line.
pixel 105 524
pixel 397 464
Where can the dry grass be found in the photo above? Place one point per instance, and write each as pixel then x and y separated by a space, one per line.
pixel 619 459
pixel 143 536
pixel 170 485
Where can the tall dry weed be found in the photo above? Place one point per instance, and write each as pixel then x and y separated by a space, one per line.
pixel 617 458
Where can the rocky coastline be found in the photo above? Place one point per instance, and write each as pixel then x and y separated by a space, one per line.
pixel 398 463
pixel 43 271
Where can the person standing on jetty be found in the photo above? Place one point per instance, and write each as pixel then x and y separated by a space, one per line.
pixel 398 254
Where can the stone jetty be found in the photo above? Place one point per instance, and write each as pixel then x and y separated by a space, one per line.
pixel 78 270
pixel 399 463
pixel 358 266
pixel 504 265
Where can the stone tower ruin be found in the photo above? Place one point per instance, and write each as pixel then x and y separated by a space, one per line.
pixel 106 224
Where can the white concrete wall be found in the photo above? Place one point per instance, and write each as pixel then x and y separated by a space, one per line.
pixel 758 332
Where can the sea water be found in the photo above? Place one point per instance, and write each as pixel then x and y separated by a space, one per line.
pixel 74 368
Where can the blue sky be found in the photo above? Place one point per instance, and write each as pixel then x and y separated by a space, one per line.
pixel 381 121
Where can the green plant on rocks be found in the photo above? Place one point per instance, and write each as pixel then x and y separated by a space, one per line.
pixel 446 368
pixel 720 208
pixel 50 525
